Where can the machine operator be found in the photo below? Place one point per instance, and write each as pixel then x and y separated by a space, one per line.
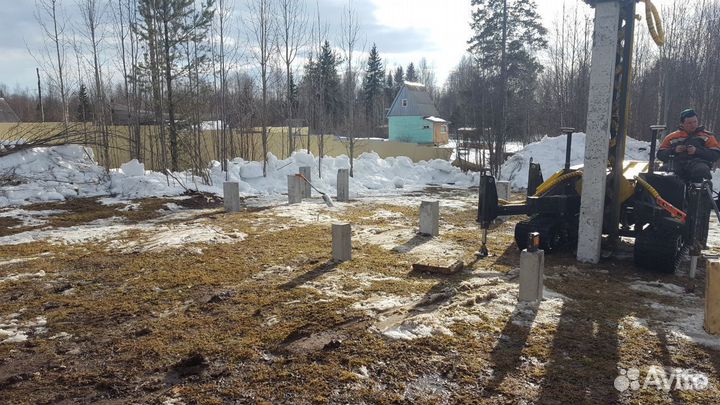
pixel 691 151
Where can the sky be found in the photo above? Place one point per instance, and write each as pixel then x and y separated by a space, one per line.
pixel 404 31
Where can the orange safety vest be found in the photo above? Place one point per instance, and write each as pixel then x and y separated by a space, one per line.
pixel 680 135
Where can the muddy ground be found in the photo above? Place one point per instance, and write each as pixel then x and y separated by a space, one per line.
pixel 173 301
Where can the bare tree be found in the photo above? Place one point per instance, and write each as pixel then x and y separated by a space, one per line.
pixel 349 38
pixel 47 15
pixel 223 16
pixel 92 15
pixel 124 14
pixel 261 36
pixel 293 37
pixel 427 76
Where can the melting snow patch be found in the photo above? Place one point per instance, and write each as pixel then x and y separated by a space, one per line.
pixel 173 207
pixel 633 322
pixel 658 288
pixel 95 231
pixel 418 327
pixel 19 260
pixel 16 277
pixel 29 218
pixel 13 330
pixel 685 322
pixel 308 212
pixel 549 152
pixel 691 328
pixel 161 236
pixel 61 335
pixel 383 214
pixel 382 303
pixel 169 237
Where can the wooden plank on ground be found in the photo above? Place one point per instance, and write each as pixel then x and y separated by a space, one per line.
pixel 439 266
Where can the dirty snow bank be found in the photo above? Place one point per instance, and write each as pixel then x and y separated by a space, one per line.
pixel 61 172
pixel 550 153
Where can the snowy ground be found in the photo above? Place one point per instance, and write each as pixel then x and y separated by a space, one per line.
pixel 174 301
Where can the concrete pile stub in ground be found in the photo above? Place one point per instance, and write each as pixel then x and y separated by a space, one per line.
pixel 306 171
pixel 343 185
pixel 429 218
pixel 341 242
pixel 503 190
pixel 295 189
pixel 231 196
pixel 532 265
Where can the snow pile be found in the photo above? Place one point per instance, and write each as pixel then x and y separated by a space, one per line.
pixel 50 174
pixel 371 173
pixel 549 152
pixel 61 172
pixel 133 168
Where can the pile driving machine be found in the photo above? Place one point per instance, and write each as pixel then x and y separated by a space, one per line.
pixel 666 215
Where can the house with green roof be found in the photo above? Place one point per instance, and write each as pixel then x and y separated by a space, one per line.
pixel 413 117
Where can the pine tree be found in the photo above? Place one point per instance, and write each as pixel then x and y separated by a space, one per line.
pixel 165 25
pixel 411 74
pixel 372 87
pixel 507 35
pixel 83 111
pixel 389 89
pixel 524 37
pixel 399 78
pixel 293 98
pixel 322 78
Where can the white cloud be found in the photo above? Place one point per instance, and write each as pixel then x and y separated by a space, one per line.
pixel 445 25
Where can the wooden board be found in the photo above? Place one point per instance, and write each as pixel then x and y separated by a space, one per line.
pixel 439 266
pixel 712 298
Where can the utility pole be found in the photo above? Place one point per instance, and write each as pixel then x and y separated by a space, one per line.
pixel 40 103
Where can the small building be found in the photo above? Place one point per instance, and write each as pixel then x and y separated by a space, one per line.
pixel 413 117
pixel 6 112
pixel 122 115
